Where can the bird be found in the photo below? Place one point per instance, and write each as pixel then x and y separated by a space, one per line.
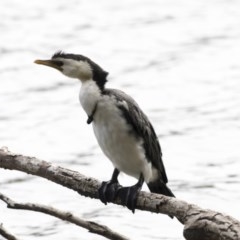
pixel 123 131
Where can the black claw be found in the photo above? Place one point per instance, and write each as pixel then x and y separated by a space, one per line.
pixel 107 191
pixel 133 198
pixel 102 192
pixel 128 196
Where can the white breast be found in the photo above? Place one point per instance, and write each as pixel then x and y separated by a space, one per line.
pixel 89 96
pixel 117 141
pixel 114 135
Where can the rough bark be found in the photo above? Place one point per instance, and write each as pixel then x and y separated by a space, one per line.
pixel 199 224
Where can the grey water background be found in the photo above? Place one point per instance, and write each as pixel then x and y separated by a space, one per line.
pixel 180 59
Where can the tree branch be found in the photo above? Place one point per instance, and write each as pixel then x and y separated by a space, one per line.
pixel 66 216
pixel 200 224
pixel 6 234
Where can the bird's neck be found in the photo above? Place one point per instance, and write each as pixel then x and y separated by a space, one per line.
pixel 90 94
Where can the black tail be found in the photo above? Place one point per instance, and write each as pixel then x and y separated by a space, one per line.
pixel 160 187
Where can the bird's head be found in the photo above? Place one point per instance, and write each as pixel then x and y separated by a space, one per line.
pixel 76 66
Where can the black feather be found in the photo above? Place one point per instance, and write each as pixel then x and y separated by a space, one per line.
pixel 160 187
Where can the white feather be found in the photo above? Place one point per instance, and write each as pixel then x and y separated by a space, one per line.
pixel 114 134
pixel 76 69
pixel 89 96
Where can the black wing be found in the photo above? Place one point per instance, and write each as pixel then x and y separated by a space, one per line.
pixel 142 129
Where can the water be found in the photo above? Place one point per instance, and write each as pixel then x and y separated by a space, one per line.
pixel 179 59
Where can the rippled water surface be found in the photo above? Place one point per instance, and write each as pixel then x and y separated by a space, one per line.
pixel 180 59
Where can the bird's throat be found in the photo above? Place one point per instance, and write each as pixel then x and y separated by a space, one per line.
pixel 89 96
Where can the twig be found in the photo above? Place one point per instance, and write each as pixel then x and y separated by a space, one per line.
pixel 6 234
pixel 66 216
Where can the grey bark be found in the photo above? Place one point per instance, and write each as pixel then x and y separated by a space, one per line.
pixel 6 234
pixel 199 224
pixel 66 216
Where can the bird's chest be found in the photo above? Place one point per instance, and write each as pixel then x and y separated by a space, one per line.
pixel 117 141
pixel 114 135
pixel 109 125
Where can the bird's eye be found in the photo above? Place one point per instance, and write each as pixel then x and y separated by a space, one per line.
pixel 58 63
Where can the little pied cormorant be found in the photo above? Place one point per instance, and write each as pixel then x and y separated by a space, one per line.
pixel 123 131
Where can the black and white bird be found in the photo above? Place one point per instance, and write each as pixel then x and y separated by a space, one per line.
pixel 123 131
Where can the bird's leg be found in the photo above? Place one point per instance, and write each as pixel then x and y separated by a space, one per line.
pixel 109 189
pixel 128 195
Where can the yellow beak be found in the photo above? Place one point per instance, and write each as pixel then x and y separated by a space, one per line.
pixel 49 63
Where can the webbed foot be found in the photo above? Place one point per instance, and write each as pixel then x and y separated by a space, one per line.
pixel 108 190
pixel 128 195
